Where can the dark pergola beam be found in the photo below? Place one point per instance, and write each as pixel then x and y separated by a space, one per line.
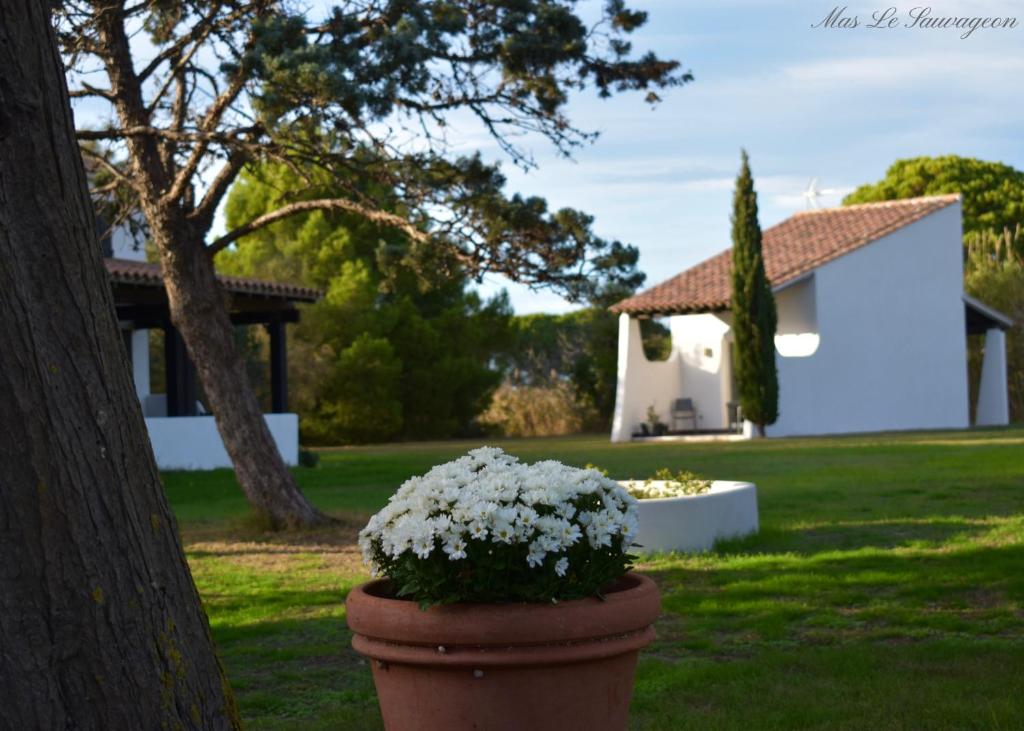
pixel 143 317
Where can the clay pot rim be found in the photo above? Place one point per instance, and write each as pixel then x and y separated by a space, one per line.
pixel 383 589
pixel 629 607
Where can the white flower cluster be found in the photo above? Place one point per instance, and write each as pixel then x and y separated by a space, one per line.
pixel 489 496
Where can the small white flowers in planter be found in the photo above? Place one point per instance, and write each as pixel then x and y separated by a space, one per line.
pixel 664 484
pixel 488 528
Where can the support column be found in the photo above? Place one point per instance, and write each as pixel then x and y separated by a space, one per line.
pixel 993 398
pixel 631 349
pixel 278 367
pixel 140 362
pixel 181 375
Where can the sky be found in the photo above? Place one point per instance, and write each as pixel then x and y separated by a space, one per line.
pixel 835 104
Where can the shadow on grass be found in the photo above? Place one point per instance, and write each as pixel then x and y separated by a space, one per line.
pixel 901 638
pixel 809 538
pixel 886 638
pixel 928 685
pixel 289 659
pixel 299 674
pixel 718 606
pixel 920 629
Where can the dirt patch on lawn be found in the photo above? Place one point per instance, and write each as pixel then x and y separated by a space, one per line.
pixel 333 548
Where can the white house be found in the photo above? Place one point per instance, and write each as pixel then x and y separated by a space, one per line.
pixel 872 329
pixel 182 432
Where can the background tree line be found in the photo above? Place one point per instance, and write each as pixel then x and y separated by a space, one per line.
pixel 387 354
pixel 392 354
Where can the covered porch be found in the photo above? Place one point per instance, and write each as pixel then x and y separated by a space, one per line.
pixel 993 405
pixel 182 430
pixel 689 396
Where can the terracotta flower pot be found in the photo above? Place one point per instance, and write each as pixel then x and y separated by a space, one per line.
pixel 504 666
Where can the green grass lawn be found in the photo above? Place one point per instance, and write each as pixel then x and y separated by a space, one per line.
pixel 885 589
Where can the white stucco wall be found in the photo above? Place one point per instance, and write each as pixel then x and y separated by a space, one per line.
pixel 893 350
pixel 872 341
pixel 124 246
pixel 193 443
pixel 701 343
pixel 797 308
pixel 641 382
pixel 699 367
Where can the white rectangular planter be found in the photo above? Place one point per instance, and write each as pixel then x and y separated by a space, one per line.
pixel 694 523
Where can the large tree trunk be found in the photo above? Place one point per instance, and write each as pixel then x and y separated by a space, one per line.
pixel 199 312
pixel 100 623
pixel 197 306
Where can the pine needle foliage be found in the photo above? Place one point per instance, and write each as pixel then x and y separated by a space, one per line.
pixel 754 318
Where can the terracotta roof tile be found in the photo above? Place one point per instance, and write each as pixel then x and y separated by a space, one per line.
pixel 792 248
pixel 125 271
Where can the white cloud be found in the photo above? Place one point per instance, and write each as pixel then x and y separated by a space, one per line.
pixel 940 71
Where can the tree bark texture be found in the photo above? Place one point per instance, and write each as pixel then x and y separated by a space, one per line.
pixel 199 311
pixel 198 306
pixel 100 623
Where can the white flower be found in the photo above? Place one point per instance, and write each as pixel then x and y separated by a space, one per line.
pixel 455 547
pixel 489 496
pixel 478 530
pixel 597 536
pixel 422 547
pixel 536 555
pixel 502 532
pixel 629 526
pixel 549 542
pixel 570 534
pixel 527 516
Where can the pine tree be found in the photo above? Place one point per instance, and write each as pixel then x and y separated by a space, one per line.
pixel 753 310
pixel 193 93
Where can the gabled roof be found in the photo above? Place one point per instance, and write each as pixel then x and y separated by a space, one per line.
pixel 792 248
pixel 125 271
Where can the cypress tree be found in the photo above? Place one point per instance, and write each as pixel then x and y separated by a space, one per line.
pixel 753 310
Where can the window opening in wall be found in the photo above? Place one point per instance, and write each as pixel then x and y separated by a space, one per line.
pixel 656 337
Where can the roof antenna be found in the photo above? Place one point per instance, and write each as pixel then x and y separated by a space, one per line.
pixel 813 193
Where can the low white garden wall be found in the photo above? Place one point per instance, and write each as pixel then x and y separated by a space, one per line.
pixel 193 442
pixel 695 522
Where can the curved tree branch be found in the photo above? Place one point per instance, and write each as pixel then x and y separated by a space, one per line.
pixel 322 204
pixel 213 115
pixel 202 215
